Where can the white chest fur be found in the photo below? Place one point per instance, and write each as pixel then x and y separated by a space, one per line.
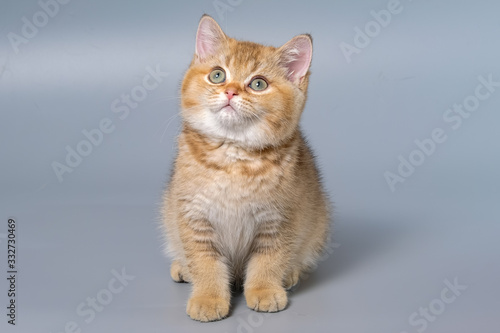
pixel 236 206
pixel 236 210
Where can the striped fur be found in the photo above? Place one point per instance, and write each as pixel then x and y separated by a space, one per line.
pixel 244 202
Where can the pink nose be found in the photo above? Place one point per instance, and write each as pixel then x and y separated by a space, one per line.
pixel 230 92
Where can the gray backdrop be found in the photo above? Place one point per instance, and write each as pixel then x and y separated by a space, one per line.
pixel 403 115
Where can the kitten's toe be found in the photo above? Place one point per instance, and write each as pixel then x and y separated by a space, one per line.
pixel 207 308
pixel 178 272
pixel 291 280
pixel 266 300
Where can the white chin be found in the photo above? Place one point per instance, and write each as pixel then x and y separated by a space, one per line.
pixel 229 117
pixel 229 124
pixel 228 109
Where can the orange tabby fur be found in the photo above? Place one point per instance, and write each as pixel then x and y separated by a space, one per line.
pixel 244 201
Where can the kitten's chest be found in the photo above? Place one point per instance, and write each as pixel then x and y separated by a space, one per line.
pixel 237 192
pixel 229 198
pixel 236 208
pixel 238 189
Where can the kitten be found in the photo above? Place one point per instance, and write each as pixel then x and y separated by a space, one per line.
pixel 244 200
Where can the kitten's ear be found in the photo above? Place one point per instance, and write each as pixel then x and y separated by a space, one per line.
pixel 208 38
pixel 296 57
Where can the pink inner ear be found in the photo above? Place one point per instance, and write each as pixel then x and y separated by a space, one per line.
pixel 208 38
pixel 297 56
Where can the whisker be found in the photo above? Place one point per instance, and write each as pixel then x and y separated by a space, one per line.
pixel 171 119
pixel 168 121
pixel 161 99
pixel 193 107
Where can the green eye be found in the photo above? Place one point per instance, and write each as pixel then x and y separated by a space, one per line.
pixel 258 84
pixel 217 76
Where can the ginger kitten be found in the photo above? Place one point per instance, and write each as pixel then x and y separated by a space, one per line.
pixel 244 202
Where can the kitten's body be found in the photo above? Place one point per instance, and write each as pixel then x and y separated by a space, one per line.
pixel 245 200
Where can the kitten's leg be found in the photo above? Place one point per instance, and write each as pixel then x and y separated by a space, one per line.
pixel 291 278
pixel 210 297
pixel 265 275
pixel 178 272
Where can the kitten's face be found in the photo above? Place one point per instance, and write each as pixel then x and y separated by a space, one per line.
pixel 244 92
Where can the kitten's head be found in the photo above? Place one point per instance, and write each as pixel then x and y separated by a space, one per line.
pixel 245 92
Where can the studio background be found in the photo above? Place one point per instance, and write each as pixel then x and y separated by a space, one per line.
pixel 403 115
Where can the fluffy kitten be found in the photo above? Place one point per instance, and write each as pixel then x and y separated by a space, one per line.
pixel 244 201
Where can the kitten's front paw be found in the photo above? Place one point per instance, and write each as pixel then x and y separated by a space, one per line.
pixel 266 300
pixel 291 279
pixel 207 308
pixel 178 272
